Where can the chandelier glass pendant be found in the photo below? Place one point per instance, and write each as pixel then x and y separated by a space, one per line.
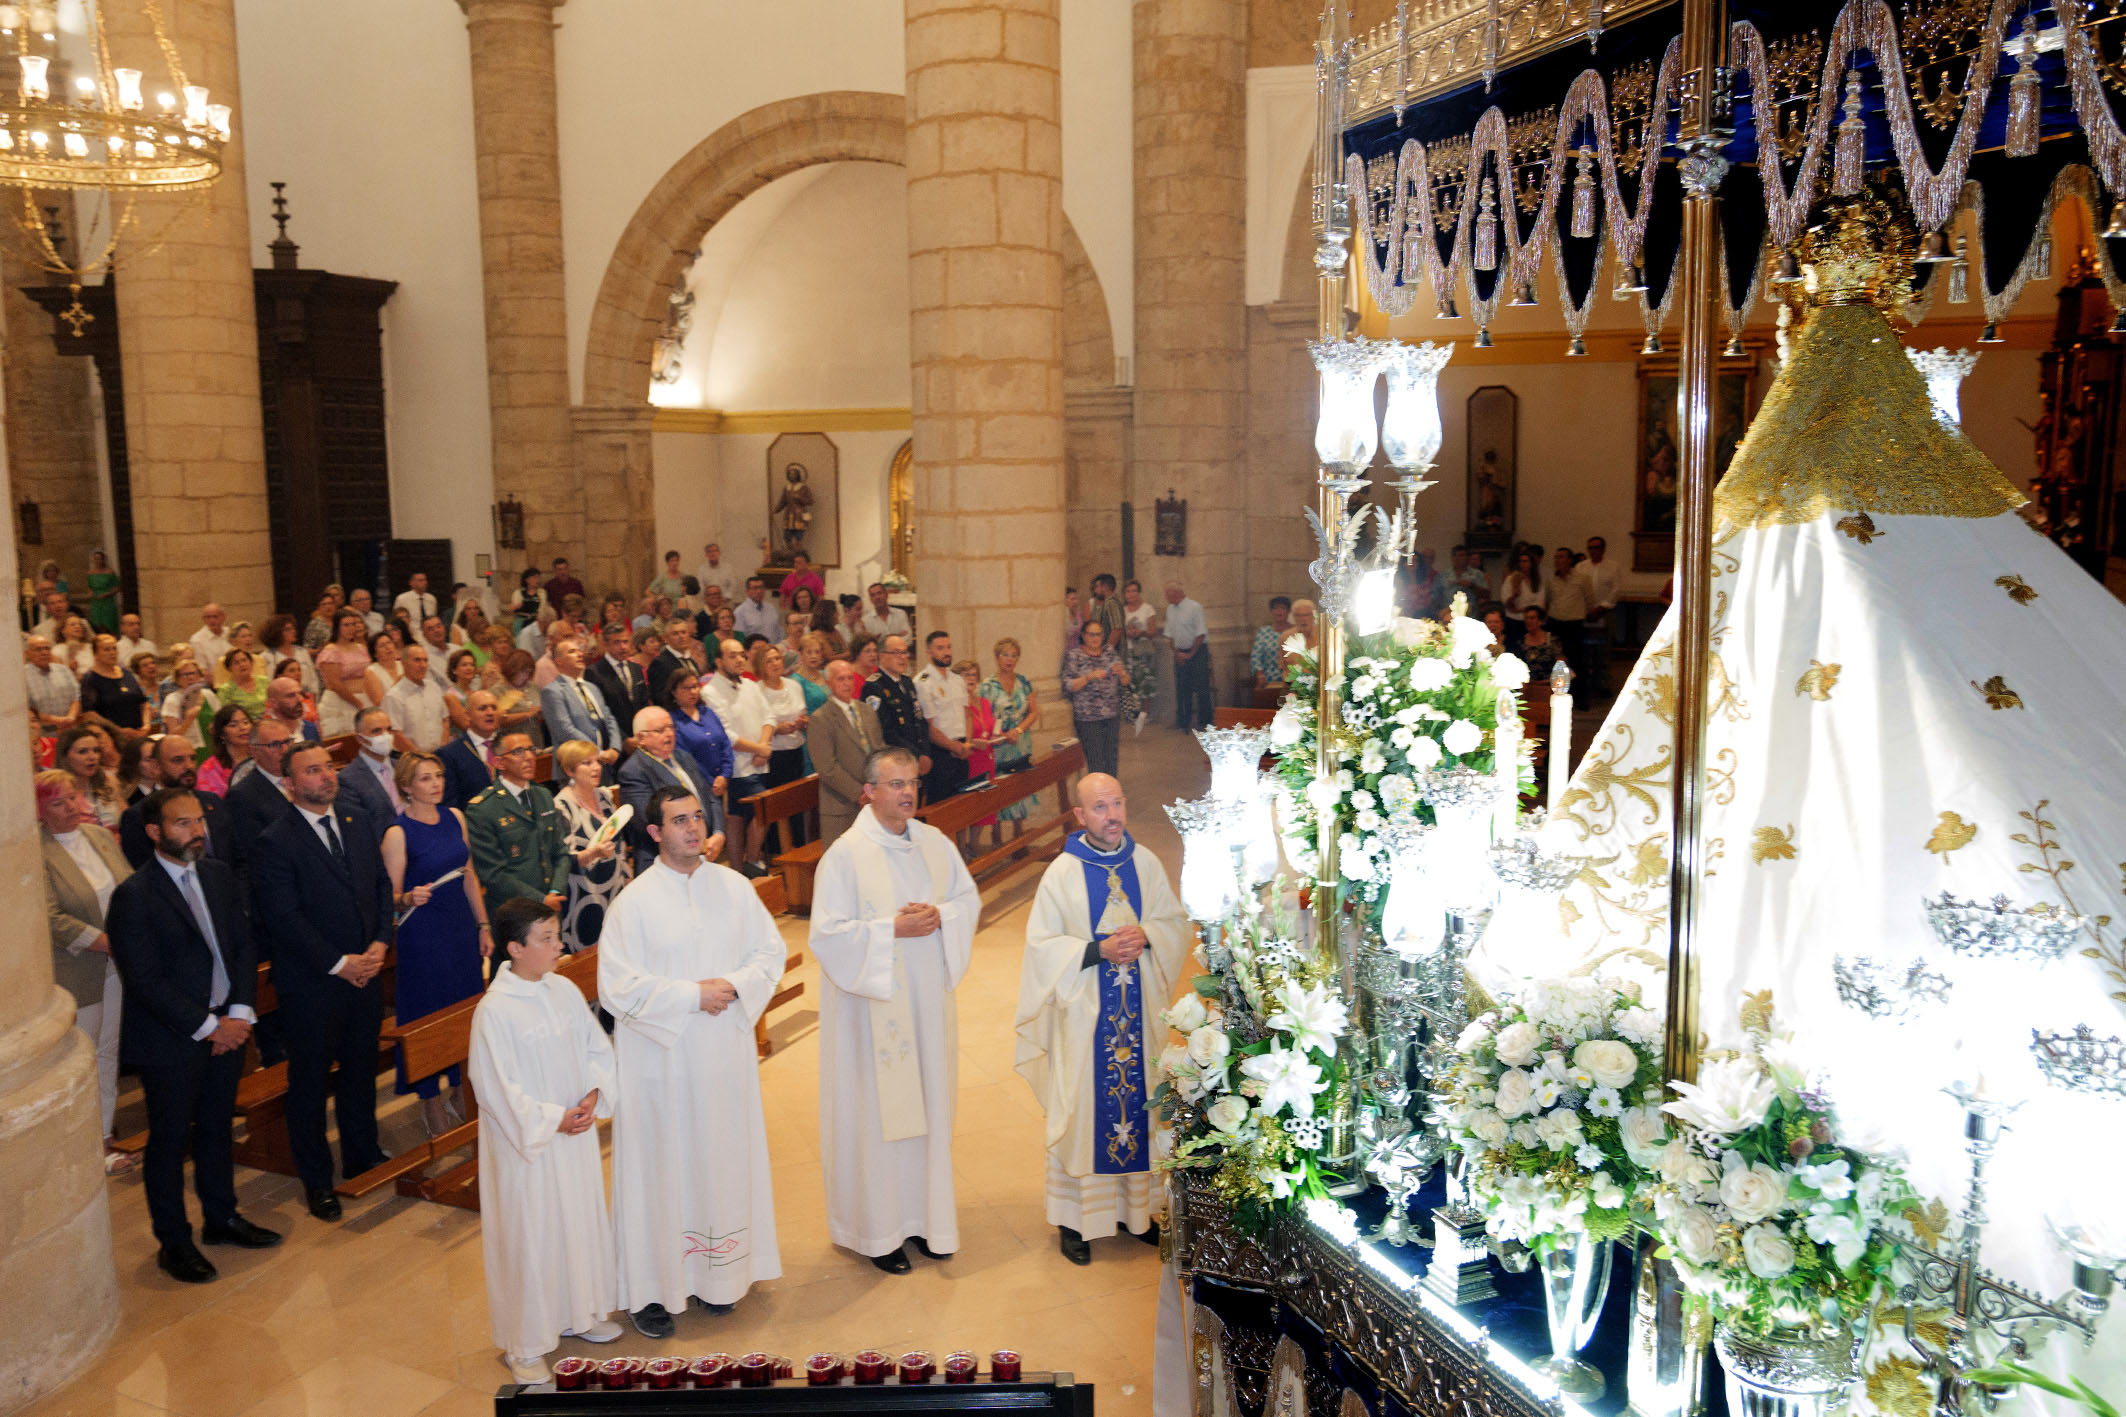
pixel 103 127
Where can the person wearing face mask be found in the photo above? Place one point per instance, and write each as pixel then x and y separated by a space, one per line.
pixel 368 782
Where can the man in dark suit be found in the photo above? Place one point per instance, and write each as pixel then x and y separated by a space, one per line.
pixel 322 895
pixel 258 799
pixel 172 755
pixel 654 764
pixel 469 758
pixel 618 679
pixel 183 949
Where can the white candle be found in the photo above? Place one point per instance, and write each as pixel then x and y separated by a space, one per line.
pixel 1560 734
pixel 1506 741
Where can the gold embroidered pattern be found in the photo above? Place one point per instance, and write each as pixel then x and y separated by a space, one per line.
pixel 1861 527
pixel 1899 1387
pixel 1755 1015
pixel 1951 833
pixel 2019 590
pixel 1998 694
pixel 2109 954
pixel 1817 681
pixel 1773 844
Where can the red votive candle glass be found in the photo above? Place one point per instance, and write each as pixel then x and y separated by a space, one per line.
pixel 664 1372
pixel 961 1367
pixel 917 1367
pixel 756 1370
pixel 823 1369
pixel 570 1374
pixel 1004 1366
pixel 619 1374
pixel 713 1370
pixel 784 1367
pixel 871 1366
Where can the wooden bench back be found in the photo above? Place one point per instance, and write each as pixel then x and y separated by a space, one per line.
pixel 343 748
pixel 792 799
pixel 1242 717
pixel 957 813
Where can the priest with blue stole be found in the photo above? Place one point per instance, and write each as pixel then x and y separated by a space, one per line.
pixel 1105 945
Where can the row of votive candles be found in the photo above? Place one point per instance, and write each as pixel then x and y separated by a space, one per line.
pixel 761 1369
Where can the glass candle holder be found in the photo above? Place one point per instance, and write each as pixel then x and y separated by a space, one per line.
pixel 961 1367
pixel 917 1367
pixel 619 1374
pixel 823 1369
pixel 756 1370
pixel 870 1366
pixel 663 1374
pixel 1004 1366
pixel 573 1374
pixel 713 1370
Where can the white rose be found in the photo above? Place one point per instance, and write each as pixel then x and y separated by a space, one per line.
pixel 1208 1046
pixel 1644 1135
pixel 1286 728
pixel 1487 1126
pixel 1324 793
pixel 1528 1134
pixel 1684 1168
pixel 1424 754
pixel 1475 1036
pixel 1228 1114
pixel 1751 1193
pixel 1372 759
pixel 1462 738
pixel 1695 1233
pixel 1188 1014
pixel 1768 1253
pixel 1509 671
pixel 1517 1044
pixel 1429 675
pixel 1603 1191
pixel 1608 1062
pixel 1638 1025
pixel 1516 1093
pixel 1174 1059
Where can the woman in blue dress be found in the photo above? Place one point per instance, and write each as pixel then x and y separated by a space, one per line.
pixel 443 936
pixel 699 730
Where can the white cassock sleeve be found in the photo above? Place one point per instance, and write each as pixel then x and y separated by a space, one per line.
pixel 762 968
pixel 959 916
pixel 1059 995
pixel 524 1123
pixel 855 954
pixel 600 1068
pixel 658 1007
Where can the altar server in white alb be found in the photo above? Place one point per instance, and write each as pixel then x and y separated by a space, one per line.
pixel 687 962
pixel 1105 944
pixel 543 1071
pixel 893 920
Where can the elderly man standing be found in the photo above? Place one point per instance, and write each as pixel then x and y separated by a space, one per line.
pixel 883 619
pixel 418 712
pixel 572 705
pixel 209 643
pixel 54 692
pixel 1105 945
pixel 894 914
pixel 687 962
pixel 1185 626
pixel 842 734
pixel 652 765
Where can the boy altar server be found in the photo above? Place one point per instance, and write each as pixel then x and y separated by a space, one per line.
pixel 893 920
pixel 1105 943
pixel 543 1072
pixel 687 961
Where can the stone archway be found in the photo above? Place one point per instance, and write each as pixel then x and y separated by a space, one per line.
pixel 744 155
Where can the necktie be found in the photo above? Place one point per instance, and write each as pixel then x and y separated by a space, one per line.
pixel 332 839
pixel 196 902
pixel 856 720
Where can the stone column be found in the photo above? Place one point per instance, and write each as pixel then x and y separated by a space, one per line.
pixel 51 437
pixel 985 218
pixel 188 339
pixel 612 472
pixel 1191 331
pixel 58 1289
pixel 518 169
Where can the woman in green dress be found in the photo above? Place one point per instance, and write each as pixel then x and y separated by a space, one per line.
pixel 1011 698
pixel 103 595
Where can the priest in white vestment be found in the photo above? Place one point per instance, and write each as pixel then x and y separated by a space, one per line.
pixel 543 1071
pixel 1105 943
pixel 687 962
pixel 893 920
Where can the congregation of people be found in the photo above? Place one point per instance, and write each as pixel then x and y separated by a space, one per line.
pixel 400 810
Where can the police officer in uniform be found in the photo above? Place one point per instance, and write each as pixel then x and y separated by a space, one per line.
pixel 519 844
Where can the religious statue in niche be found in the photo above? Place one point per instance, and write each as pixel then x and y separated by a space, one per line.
pixel 1494 414
pixel 803 499
pixel 1170 525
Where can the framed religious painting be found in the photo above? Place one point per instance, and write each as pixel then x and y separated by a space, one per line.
pixel 804 499
pixel 1658 455
pixel 1493 438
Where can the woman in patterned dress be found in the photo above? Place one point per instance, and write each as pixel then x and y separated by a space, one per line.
pixel 1011 700
pixel 595 874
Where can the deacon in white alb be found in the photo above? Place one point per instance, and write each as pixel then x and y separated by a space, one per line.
pixel 893 920
pixel 1104 948
pixel 543 1071
pixel 687 962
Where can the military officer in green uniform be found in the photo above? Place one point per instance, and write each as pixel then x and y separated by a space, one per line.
pixel 519 845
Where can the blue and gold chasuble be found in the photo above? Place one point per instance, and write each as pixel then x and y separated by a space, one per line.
pixel 1121 1123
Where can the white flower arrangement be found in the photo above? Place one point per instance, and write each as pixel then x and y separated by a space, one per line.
pixel 1556 1111
pixel 1246 1110
pixel 1417 701
pixel 1774 1221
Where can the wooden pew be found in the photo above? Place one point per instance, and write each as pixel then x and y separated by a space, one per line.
pixel 1243 717
pixel 798 800
pixel 443 1039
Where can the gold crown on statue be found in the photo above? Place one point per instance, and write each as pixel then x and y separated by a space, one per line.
pixel 1858 251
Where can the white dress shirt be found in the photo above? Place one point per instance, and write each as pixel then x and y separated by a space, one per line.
pixel 1568 595
pixel 207 649
pixel 724 576
pixel 757 617
pixel 127 648
pixel 1605 581
pixel 419 712
pixel 942 695
pixel 418 605
pixel 744 714
pixel 893 622
pixel 1184 623
pixel 186 879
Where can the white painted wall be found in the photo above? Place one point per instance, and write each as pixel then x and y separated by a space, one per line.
pixel 365 111
pixel 1098 151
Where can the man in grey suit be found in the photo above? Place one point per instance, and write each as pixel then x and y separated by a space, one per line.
pixel 843 732
pixel 655 764
pixel 573 707
pixel 367 781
